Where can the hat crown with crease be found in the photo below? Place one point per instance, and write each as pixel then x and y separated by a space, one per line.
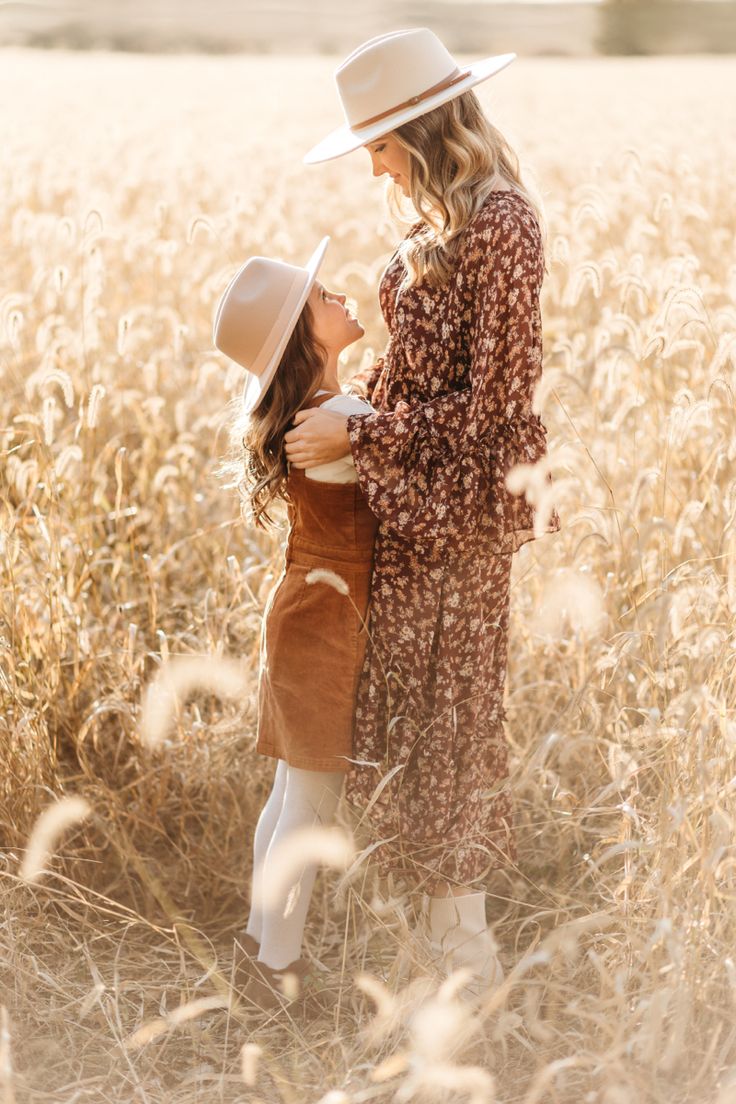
pixel 390 80
pixel 257 313
pixel 251 305
pixel 390 69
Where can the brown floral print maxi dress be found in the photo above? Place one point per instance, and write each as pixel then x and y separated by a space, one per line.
pixel 453 393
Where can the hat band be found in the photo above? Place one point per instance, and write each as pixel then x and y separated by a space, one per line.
pixel 447 82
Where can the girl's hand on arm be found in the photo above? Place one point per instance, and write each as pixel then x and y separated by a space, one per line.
pixel 319 437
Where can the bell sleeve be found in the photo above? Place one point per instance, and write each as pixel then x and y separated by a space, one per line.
pixel 431 470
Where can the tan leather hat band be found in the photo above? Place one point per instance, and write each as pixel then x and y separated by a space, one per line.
pixel 456 75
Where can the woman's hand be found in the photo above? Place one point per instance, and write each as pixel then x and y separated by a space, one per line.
pixel 319 437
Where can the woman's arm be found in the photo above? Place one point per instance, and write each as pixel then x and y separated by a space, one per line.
pixel 321 435
pixel 363 381
pixel 426 469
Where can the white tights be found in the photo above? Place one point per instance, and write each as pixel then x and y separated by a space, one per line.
pixel 299 798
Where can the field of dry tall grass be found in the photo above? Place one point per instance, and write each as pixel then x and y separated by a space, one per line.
pixel 131 189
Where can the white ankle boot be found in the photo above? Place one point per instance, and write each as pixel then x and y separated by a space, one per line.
pixel 459 936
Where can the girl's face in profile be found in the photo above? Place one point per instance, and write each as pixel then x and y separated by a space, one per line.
pixel 388 156
pixel 335 325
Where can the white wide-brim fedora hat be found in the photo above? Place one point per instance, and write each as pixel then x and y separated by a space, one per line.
pixel 393 78
pixel 257 313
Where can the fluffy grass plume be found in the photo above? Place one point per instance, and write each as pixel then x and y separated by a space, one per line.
pixel 48 830
pixel 177 679
pixel 329 846
pixel 331 578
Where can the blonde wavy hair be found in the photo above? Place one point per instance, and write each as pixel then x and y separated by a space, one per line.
pixel 456 156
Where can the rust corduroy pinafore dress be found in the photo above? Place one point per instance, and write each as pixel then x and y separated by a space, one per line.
pixel 313 637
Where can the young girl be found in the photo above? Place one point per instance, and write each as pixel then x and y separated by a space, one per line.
pixel 287 330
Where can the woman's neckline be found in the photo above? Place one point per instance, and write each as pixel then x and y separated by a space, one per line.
pixel 415 226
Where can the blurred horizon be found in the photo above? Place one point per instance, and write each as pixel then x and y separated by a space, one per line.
pixel 480 27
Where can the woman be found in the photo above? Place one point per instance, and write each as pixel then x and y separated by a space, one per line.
pixel 287 330
pixel 453 392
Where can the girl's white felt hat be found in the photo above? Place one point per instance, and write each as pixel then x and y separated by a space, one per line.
pixel 393 78
pixel 257 313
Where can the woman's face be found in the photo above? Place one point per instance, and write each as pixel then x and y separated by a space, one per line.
pixel 335 324
pixel 388 156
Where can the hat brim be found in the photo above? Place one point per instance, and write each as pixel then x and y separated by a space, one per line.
pixel 257 386
pixel 344 139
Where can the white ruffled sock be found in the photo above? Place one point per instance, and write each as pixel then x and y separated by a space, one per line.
pixel 459 935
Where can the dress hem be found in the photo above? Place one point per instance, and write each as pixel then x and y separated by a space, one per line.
pixel 418 874
pixel 303 762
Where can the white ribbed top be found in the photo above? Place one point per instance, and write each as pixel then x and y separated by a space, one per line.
pixel 343 469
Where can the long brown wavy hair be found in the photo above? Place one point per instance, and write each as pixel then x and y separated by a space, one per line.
pixel 456 156
pixel 256 461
